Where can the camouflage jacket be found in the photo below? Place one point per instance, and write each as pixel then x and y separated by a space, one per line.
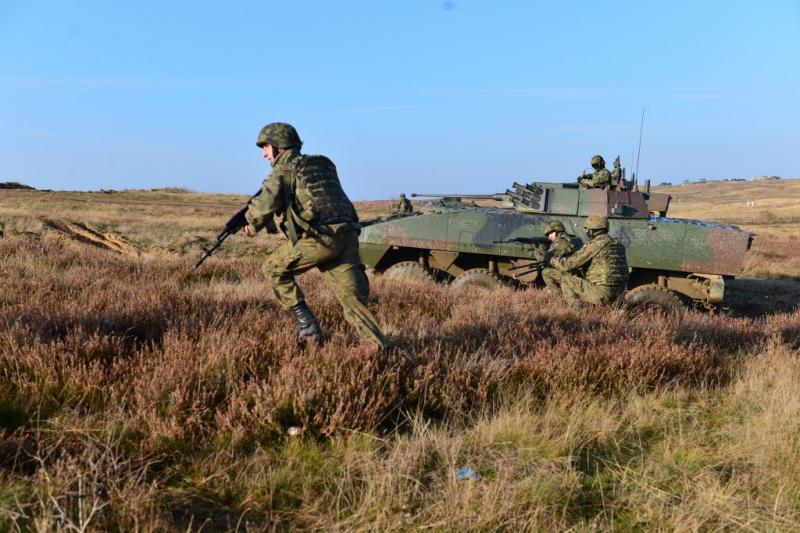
pixel 564 245
pixel 604 260
pixel 306 193
pixel 404 206
pixel 598 179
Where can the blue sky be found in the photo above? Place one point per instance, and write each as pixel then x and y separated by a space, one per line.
pixel 404 96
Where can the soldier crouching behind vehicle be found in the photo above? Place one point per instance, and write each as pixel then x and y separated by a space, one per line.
pixel 603 257
pixel 322 229
pixel 562 244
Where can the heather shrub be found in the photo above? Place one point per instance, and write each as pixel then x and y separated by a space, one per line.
pixel 177 350
pixel 784 329
pixel 167 393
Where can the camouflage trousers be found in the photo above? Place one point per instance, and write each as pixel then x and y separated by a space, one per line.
pixel 336 256
pixel 576 289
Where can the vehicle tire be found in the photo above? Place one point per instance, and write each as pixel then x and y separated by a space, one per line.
pixel 652 296
pixel 407 271
pixel 478 277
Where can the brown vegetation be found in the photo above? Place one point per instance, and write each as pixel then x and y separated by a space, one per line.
pixel 139 394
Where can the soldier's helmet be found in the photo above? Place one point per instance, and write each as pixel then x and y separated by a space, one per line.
pixel 279 135
pixel 596 222
pixel 402 195
pixel 598 161
pixel 554 225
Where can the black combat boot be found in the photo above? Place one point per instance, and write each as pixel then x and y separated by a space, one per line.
pixel 307 327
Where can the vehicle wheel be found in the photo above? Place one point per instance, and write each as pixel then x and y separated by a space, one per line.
pixel 407 271
pixel 653 296
pixel 478 277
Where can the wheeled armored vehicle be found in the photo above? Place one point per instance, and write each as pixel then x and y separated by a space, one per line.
pixel 672 261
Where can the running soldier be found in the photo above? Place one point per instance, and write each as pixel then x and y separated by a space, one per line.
pixel 321 227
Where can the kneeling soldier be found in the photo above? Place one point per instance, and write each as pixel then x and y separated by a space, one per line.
pixel 605 265
pixel 562 244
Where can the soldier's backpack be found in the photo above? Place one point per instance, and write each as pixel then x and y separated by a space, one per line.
pixel 318 198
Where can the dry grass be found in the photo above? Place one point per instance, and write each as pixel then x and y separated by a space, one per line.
pixel 742 203
pixel 137 394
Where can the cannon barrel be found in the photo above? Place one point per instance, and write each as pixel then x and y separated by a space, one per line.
pixel 496 196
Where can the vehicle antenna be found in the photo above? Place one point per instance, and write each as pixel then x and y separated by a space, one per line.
pixel 639 152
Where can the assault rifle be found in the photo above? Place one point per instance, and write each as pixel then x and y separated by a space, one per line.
pixel 530 267
pixel 237 222
pixel 524 240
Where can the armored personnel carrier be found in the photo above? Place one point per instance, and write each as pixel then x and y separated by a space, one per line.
pixel 672 261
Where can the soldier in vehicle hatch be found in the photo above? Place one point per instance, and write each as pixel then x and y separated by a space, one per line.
pixel 599 179
pixel 562 244
pixel 321 227
pixel 602 259
pixel 404 205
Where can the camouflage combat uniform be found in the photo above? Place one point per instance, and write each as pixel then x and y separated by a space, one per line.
pixel 606 271
pixel 404 205
pixel 563 246
pixel 601 178
pixel 322 229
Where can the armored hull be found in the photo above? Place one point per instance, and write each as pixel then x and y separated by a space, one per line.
pixel 688 258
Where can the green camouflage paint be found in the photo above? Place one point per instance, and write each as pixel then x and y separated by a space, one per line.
pixel 656 246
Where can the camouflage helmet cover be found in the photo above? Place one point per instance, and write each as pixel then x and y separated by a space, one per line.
pixel 402 195
pixel 596 222
pixel 279 135
pixel 554 225
pixel 598 160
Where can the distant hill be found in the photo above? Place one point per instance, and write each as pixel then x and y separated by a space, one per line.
pixel 749 203
pixel 15 185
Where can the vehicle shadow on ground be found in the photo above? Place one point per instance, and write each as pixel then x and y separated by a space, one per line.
pixel 754 298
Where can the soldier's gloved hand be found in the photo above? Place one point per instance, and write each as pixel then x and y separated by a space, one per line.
pixel 538 252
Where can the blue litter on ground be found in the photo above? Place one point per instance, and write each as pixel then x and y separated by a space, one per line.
pixel 465 473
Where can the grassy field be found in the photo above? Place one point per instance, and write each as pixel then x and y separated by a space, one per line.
pixel 138 394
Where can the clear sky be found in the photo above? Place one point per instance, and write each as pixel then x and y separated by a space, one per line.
pixel 418 95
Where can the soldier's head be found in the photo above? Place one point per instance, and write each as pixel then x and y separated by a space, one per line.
pixel 595 225
pixel 402 196
pixel 598 162
pixel 276 137
pixel 553 229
